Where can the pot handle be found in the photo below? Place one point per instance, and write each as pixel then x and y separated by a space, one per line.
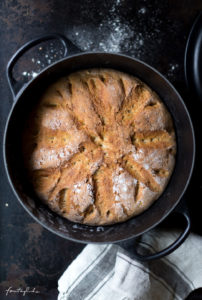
pixel 180 209
pixel 69 48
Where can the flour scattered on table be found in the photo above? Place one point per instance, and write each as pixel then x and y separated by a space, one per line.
pixel 42 59
pixel 137 30
pixel 142 10
pixel 173 68
pixel 113 34
pixel 29 75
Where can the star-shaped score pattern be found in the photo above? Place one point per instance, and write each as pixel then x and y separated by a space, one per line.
pixel 99 146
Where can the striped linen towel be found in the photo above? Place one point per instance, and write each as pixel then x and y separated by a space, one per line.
pixel 110 272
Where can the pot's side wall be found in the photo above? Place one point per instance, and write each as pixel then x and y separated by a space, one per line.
pixel 179 180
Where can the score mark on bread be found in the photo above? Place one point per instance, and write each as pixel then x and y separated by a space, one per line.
pixel 99 147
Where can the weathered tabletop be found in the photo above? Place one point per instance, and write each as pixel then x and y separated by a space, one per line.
pixel 151 30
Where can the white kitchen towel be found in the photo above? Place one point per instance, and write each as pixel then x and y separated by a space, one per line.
pixel 110 272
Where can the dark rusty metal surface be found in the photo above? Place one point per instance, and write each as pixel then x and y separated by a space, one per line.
pixel 30 255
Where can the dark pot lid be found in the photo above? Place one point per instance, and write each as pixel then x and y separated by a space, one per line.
pixel 193 58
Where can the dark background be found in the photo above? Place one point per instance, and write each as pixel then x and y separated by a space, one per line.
pixel 153 31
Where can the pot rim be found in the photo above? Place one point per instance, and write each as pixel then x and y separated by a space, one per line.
pixel 26 86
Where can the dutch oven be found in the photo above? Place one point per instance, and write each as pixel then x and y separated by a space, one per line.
pixel 24 100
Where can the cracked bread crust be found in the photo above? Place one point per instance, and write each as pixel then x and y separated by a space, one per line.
pixel 99 147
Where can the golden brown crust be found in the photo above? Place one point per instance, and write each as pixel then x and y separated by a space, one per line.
pixel 99 147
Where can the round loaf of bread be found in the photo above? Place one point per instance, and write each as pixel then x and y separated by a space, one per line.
pixel 99 147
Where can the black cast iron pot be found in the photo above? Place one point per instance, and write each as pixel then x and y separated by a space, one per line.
pixel 24 101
